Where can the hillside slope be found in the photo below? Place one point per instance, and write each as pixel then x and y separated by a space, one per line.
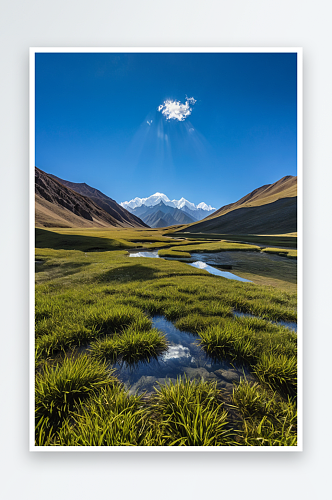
pixel 59 206
pixel 105 202
pixel 270 209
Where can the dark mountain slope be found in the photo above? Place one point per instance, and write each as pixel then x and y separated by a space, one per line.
pixel 59 206
pixel 284 188
pixel 278 217
pixel 270 209
pixel 105 202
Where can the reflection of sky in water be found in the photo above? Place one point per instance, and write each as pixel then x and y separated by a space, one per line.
pixel 199 265
pixel 151 254
pixel 184 357
pixel 176 351
pixel 212 270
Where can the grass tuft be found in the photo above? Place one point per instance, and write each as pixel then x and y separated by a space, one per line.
pixel 131 346
pixel 278 372
pixel 60 387
pixel 110 418
pixel 268 420
pixel 191 414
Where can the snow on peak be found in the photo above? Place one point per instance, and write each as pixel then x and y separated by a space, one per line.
pixel 204 206
pixel 156 198
pixel 184 203
pixel 151 201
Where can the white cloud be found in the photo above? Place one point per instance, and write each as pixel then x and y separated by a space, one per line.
pixel 191 130
pixel 176 110
pixel 191 100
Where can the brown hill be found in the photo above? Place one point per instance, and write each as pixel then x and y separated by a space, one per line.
pixel 270 209
pixel 59 206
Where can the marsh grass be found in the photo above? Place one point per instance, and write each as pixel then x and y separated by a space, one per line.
pixel 61 331
pixel 195 323
pixel 105 299
pixel 226 341
pixel 60 387
pixel 190 414
pixel 268 420
pixel 291 254
pixel 174 253
pixel 131 346
pixel 110 320
pixel 278 372
pixel 186 413
pixel 282 240
pixel 269 352
pixel 110 418
pixel 218 246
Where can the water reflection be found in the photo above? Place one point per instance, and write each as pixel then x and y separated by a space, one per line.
pixel 212 270
pixel 184 357
pixel 288 324
pixel 150 253
pixel 153 254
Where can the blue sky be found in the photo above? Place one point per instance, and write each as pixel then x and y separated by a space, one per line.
pixel 97 121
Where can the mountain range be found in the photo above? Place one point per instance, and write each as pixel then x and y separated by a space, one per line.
pixel 270 209
pixel 60 203
pixel 159 211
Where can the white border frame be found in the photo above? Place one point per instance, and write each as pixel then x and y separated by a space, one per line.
pixel 32 52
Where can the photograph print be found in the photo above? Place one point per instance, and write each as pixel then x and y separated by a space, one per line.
pixel 164 201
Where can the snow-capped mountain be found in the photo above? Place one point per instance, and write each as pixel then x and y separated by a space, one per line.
pixel 156 198
pixel 151 201
pixel 159 211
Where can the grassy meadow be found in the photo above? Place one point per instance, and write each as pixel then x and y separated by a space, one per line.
pixel 94 306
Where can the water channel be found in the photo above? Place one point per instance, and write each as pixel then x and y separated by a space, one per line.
pixel 199 264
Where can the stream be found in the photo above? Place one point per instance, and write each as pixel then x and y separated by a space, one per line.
pixel 153 254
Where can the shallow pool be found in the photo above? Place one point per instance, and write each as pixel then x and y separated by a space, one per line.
pixel 212 270
pixel 183 358
pixel 153 254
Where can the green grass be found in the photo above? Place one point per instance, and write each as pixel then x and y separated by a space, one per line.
pixel 278 372
pixel 109 418
pixel 174 253
pixel 270 352
pixel 291 254
pixel 268 420
pixel 186 413
pixel 219 246
pixel 190 414
pixel 59 388
pixel 60 331
pixel 89 241
pixel 131 346
pixel 282 240
pixel 103 301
